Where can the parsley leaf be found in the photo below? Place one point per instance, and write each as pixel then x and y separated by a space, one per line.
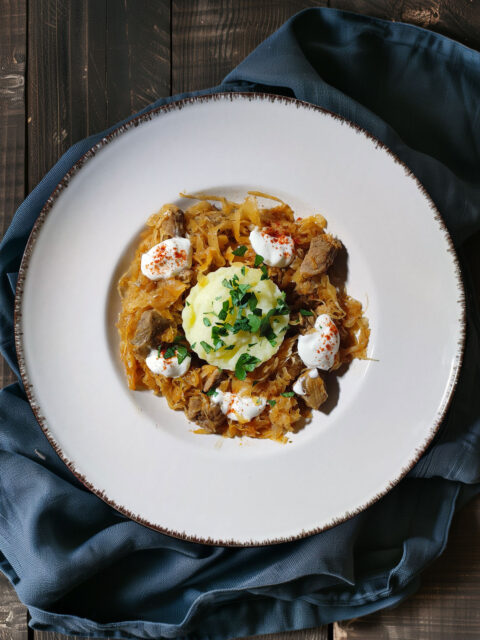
pixel 245 363
pixel 252 302
pixel 211 391
pixel 169 353
pixel 254 322
pixel 287 394
pixel 258 261
pixel 222 315
pixel 241 324
pixel 305 312
pixel 229 348
pixel 207 322
pixel 206 347
pixel 272 403
pixel 182 353
pixel 240 251
pixel 243 270
pixel 264 272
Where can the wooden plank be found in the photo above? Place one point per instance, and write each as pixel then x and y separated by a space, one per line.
pixel 66 78
pixel 13 614
pixel 13 45
pixel 210 37
pixel 448 605
pixel 138 55
pixel 458 19
pixel 13 29
pixel 91 64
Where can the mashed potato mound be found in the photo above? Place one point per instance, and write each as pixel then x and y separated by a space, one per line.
pixel 206 301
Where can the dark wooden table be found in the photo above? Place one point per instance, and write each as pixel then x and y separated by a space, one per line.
pixel 72 68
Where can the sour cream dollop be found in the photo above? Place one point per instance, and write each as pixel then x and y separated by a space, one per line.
pixel 239 407
pixel 298 387
pixel 276 249
pixel 167 259
pixel 168 367
pixel 319 348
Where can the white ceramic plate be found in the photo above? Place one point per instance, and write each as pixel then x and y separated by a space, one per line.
pixel 142 458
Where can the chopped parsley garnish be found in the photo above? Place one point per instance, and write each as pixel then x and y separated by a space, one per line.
pixel 169 353
pixel 179 349
pixel 178 338
pixel 254 322
pixel 240 251
pixel 193 345
pixel 306 312
pixel 243 314
pixel 288 394
pixel 222 315
pixel 244 270
pixel 245 363
pixel 258 261
pixel 264 272
pixel 211 391
pixel 182 353
pixel 206 347
pixel 241 324
pixel 272 403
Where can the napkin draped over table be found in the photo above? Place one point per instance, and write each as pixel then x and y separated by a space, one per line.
pixel 83 568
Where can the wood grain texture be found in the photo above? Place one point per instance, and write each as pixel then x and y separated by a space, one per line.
pixel 210 37
pixel 13 614
pixel 13 52
pixel 91 64
pixel 458 19
pixel 137 55
pixel 66 78
pixel 447 607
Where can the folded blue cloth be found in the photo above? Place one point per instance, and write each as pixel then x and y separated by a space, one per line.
pixel 82 568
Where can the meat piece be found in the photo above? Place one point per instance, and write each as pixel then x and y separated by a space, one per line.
pixel 320 255
pixel 314 388
pixel 206 414
pixel 294 365
pixel 149 328
pixel 213 376
pixel 173 224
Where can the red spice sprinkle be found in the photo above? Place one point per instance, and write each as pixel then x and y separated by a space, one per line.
pixel 161 256
pixel 276 235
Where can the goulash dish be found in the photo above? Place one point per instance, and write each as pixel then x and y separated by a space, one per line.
pixel 231 312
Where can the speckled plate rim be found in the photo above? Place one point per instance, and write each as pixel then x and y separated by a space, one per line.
pixel 36 230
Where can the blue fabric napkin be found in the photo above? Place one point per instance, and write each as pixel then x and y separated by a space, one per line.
pixel 82 568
